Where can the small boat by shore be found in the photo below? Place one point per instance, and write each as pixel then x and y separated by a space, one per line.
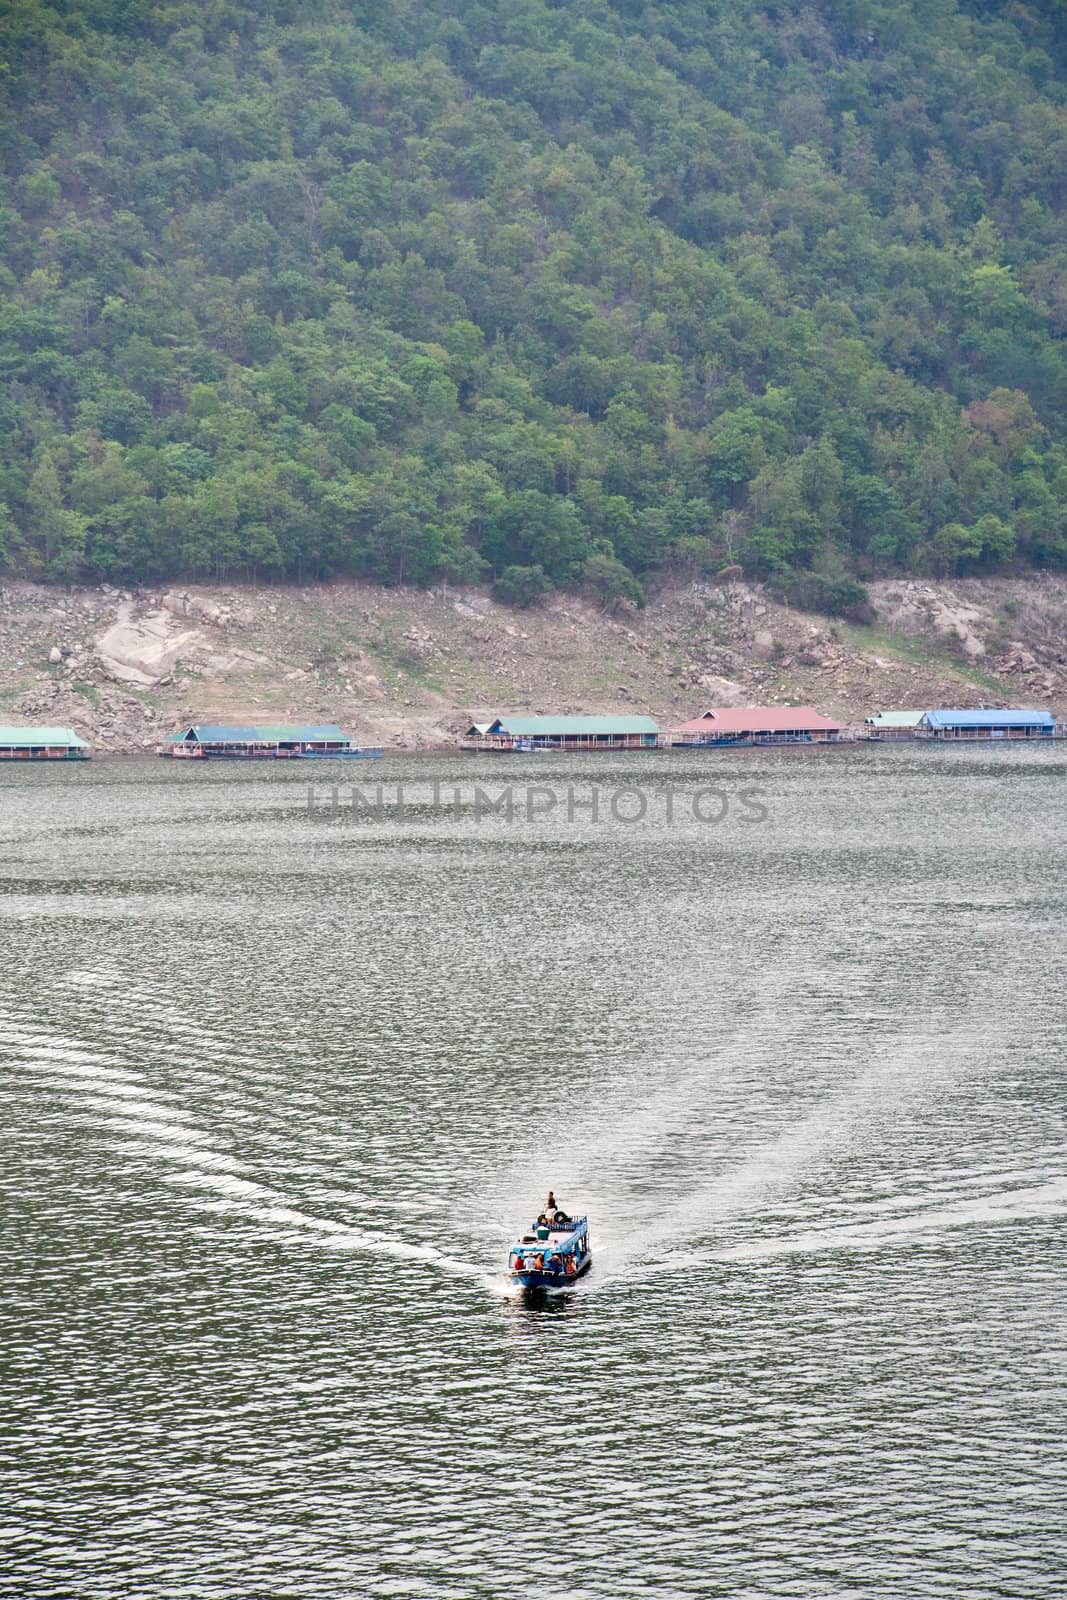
pixel 551 1254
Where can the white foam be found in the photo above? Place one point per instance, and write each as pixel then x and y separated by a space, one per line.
pixel 1046 1201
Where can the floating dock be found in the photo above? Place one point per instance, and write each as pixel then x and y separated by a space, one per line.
pixel 42 744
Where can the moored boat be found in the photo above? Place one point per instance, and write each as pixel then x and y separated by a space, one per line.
pixel 551 1254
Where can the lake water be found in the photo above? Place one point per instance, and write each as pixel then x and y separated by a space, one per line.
pixel 280 1085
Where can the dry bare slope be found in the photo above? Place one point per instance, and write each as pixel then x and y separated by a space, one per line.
pixel 408 668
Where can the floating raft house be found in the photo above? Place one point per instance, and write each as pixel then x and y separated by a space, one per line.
pixel 259 741
pixel 508 733
pixel 42 744
pixel 742 725
pixel 988 724
pixel 894 724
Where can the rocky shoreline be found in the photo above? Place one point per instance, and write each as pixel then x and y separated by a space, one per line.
pixel 409 668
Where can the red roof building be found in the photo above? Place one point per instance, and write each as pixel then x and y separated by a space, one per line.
pixel 759 724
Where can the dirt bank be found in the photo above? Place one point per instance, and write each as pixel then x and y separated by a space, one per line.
pixel 409 668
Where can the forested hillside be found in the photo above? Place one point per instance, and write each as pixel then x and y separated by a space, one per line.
pixel 540 292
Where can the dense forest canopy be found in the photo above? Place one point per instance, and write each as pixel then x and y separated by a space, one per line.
pixel 539 290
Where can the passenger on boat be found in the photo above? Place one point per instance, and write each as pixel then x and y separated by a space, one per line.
pixel 556 1219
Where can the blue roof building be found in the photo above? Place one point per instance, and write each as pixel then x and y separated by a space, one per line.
pixel 988 724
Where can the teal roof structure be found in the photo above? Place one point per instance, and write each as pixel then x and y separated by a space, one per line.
pixel 565 727
pixel 260 733
pixel 55 738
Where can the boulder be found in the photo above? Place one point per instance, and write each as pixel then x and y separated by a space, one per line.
pixel 723 691
pixel 205 610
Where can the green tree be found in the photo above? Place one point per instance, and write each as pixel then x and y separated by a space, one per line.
pixel 46 513
pixel 521 586
pixel 611 582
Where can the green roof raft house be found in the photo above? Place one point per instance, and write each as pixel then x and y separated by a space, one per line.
pixel 894 725
pixel 516 735
pixel 263 741
pixel 42 744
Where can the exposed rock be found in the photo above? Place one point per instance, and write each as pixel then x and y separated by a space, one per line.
pixel 205 610
pixel 723 691
pixel 142 650
pixel 1016 659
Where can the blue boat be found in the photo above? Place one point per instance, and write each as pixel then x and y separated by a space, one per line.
pixel 552 1254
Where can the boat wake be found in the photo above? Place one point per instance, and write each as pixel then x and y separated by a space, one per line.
pixel 832 1169
pixel 1041 1201
pixel 290 1224
pixel 138 1120
pixel 686 1218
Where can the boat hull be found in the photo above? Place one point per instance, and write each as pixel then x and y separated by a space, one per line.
pixel 197 753
pixel 369 754
pixel 550 1280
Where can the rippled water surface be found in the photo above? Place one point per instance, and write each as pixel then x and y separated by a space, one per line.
pixel 278 1088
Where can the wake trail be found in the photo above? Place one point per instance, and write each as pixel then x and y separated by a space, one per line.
pixel 700 1116
pixel 261 1204
pixel 1043 1201
pixel 839 1124
pixel 138 1118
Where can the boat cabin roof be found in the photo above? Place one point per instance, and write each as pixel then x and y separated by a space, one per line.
pixel 557 1237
